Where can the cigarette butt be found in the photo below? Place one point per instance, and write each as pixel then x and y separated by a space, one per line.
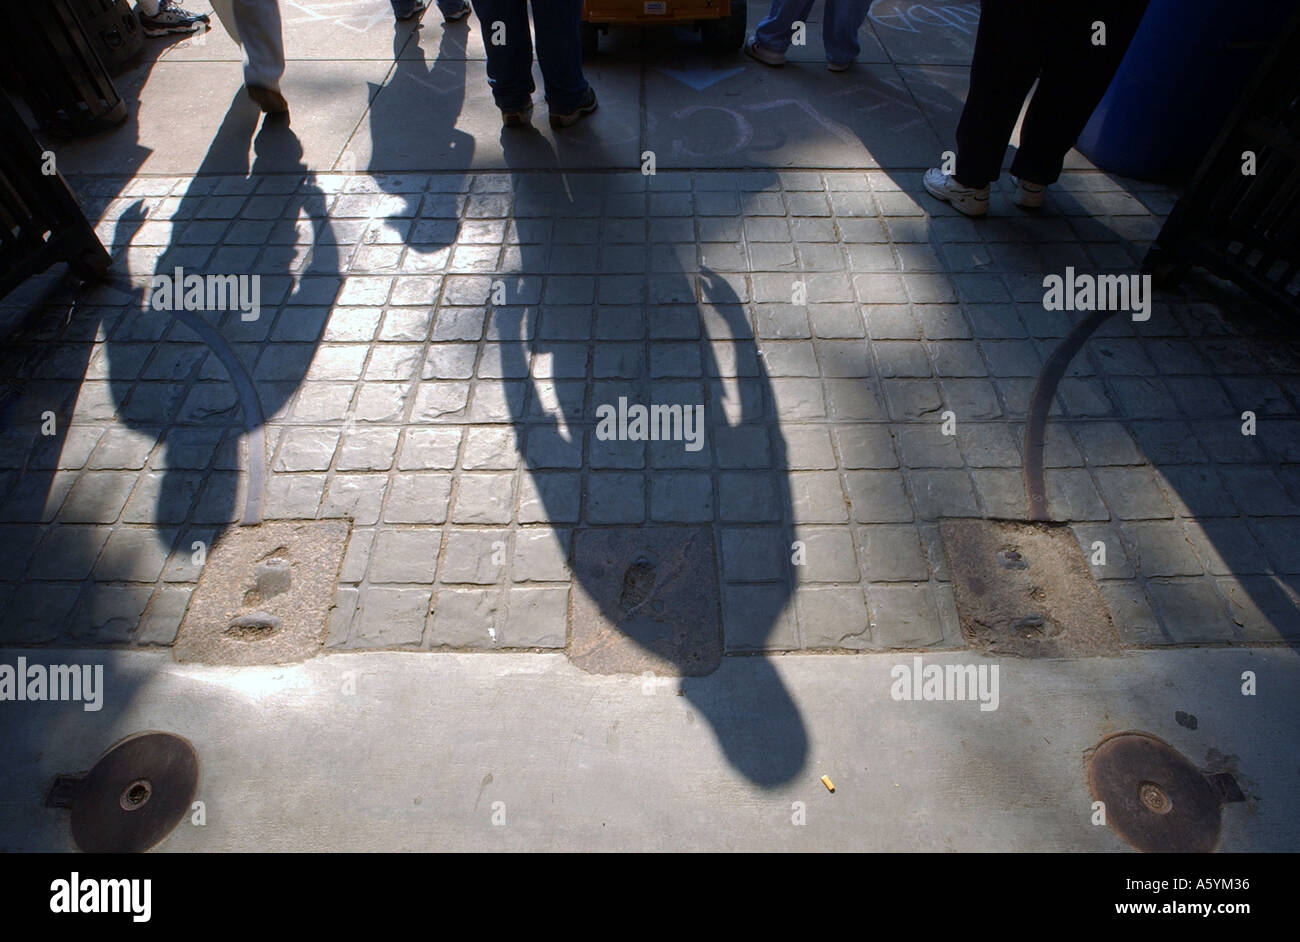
pixel 826 780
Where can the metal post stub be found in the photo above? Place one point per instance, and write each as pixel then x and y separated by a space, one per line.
pixel 134 796
pixel 1155 798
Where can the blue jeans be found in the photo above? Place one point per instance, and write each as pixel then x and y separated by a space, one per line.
pixel 510 62
pixel 448 7
pixel 841 21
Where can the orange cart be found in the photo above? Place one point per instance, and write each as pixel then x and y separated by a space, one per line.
pixel 721 22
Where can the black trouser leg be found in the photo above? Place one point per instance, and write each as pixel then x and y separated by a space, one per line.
pixel 1074 78
pixel 1008 57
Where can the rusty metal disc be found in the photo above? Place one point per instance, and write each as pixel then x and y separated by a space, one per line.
pixel 136 794
pixel 1156 800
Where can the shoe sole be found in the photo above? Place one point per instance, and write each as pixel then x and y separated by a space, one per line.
pixel 171 30
pixel 569 120
pixel 457 18
pixel 413 15
pixel 1028 199
pixel 749 51
pixel 947 198
pixel 839 66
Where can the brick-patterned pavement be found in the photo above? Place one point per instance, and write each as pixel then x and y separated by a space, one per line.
pixel 456 430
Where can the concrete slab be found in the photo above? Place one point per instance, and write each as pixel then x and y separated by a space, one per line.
pixel 440 114
pixel 352 29
pixel 391 751
pixel 940 92
pixel 940 33
pixel 327 100
pixel 789 117
pixel 662 44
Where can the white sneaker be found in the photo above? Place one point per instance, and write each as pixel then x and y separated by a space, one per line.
pixel 1029 195
pixel 970 200
pixel 765 56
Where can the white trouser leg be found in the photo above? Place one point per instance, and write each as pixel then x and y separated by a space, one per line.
pixel 255 25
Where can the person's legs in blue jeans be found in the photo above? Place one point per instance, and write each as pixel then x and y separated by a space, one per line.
pixel 774 31
pixel 559 51
pixel 841 21
pixel 451 9
pixel 509 46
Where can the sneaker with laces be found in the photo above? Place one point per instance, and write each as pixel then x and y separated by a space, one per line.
pixel 972 201
pixel 518 117
pixel 1028 195
pixel 172 19
pixel 585 106
pixel 418 7
pixel 765 56
pixel 455 15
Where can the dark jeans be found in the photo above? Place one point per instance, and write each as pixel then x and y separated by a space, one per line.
pixel 510 63
pixel 404 7
pixel 1051 41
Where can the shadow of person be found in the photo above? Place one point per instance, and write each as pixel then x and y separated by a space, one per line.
pixel 202 375
pixel 413 115
pixel 664 343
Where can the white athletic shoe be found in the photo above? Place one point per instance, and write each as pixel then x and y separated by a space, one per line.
pixel 1029 195
pixel 965 199
pixel 765 56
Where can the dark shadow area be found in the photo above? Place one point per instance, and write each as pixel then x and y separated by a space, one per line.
pixel 654 323
pixel 199 379
pixel 204 378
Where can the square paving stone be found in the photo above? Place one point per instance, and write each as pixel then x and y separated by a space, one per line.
pixel 833 617
pixel 904 615
pixel 405 556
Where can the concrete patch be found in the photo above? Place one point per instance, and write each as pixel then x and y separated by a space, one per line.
pixel 649 602
pixel 1025 590
pixel 264 595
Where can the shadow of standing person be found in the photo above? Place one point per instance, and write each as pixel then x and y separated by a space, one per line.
pixel 207 376
pixel 651 337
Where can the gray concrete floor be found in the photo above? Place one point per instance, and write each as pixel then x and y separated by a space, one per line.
pixel 419 757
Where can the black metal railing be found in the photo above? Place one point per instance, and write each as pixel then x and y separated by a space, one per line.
pixel 52 63
pixel 1240 216
pixel 40 220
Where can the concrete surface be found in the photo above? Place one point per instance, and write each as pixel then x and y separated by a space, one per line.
pixel 420 755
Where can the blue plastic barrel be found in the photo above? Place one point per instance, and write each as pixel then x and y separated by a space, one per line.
pixel 1184 71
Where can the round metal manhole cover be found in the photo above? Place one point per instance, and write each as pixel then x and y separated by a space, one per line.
pixel 1155 799
pixel 136 794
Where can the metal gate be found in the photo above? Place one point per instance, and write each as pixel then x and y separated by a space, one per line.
pixel 40 220
pixel 1240 217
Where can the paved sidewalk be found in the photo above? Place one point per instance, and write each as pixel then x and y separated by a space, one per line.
pixel 445 313
pixel 433 348
pixel 386 752
pixel 406 405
